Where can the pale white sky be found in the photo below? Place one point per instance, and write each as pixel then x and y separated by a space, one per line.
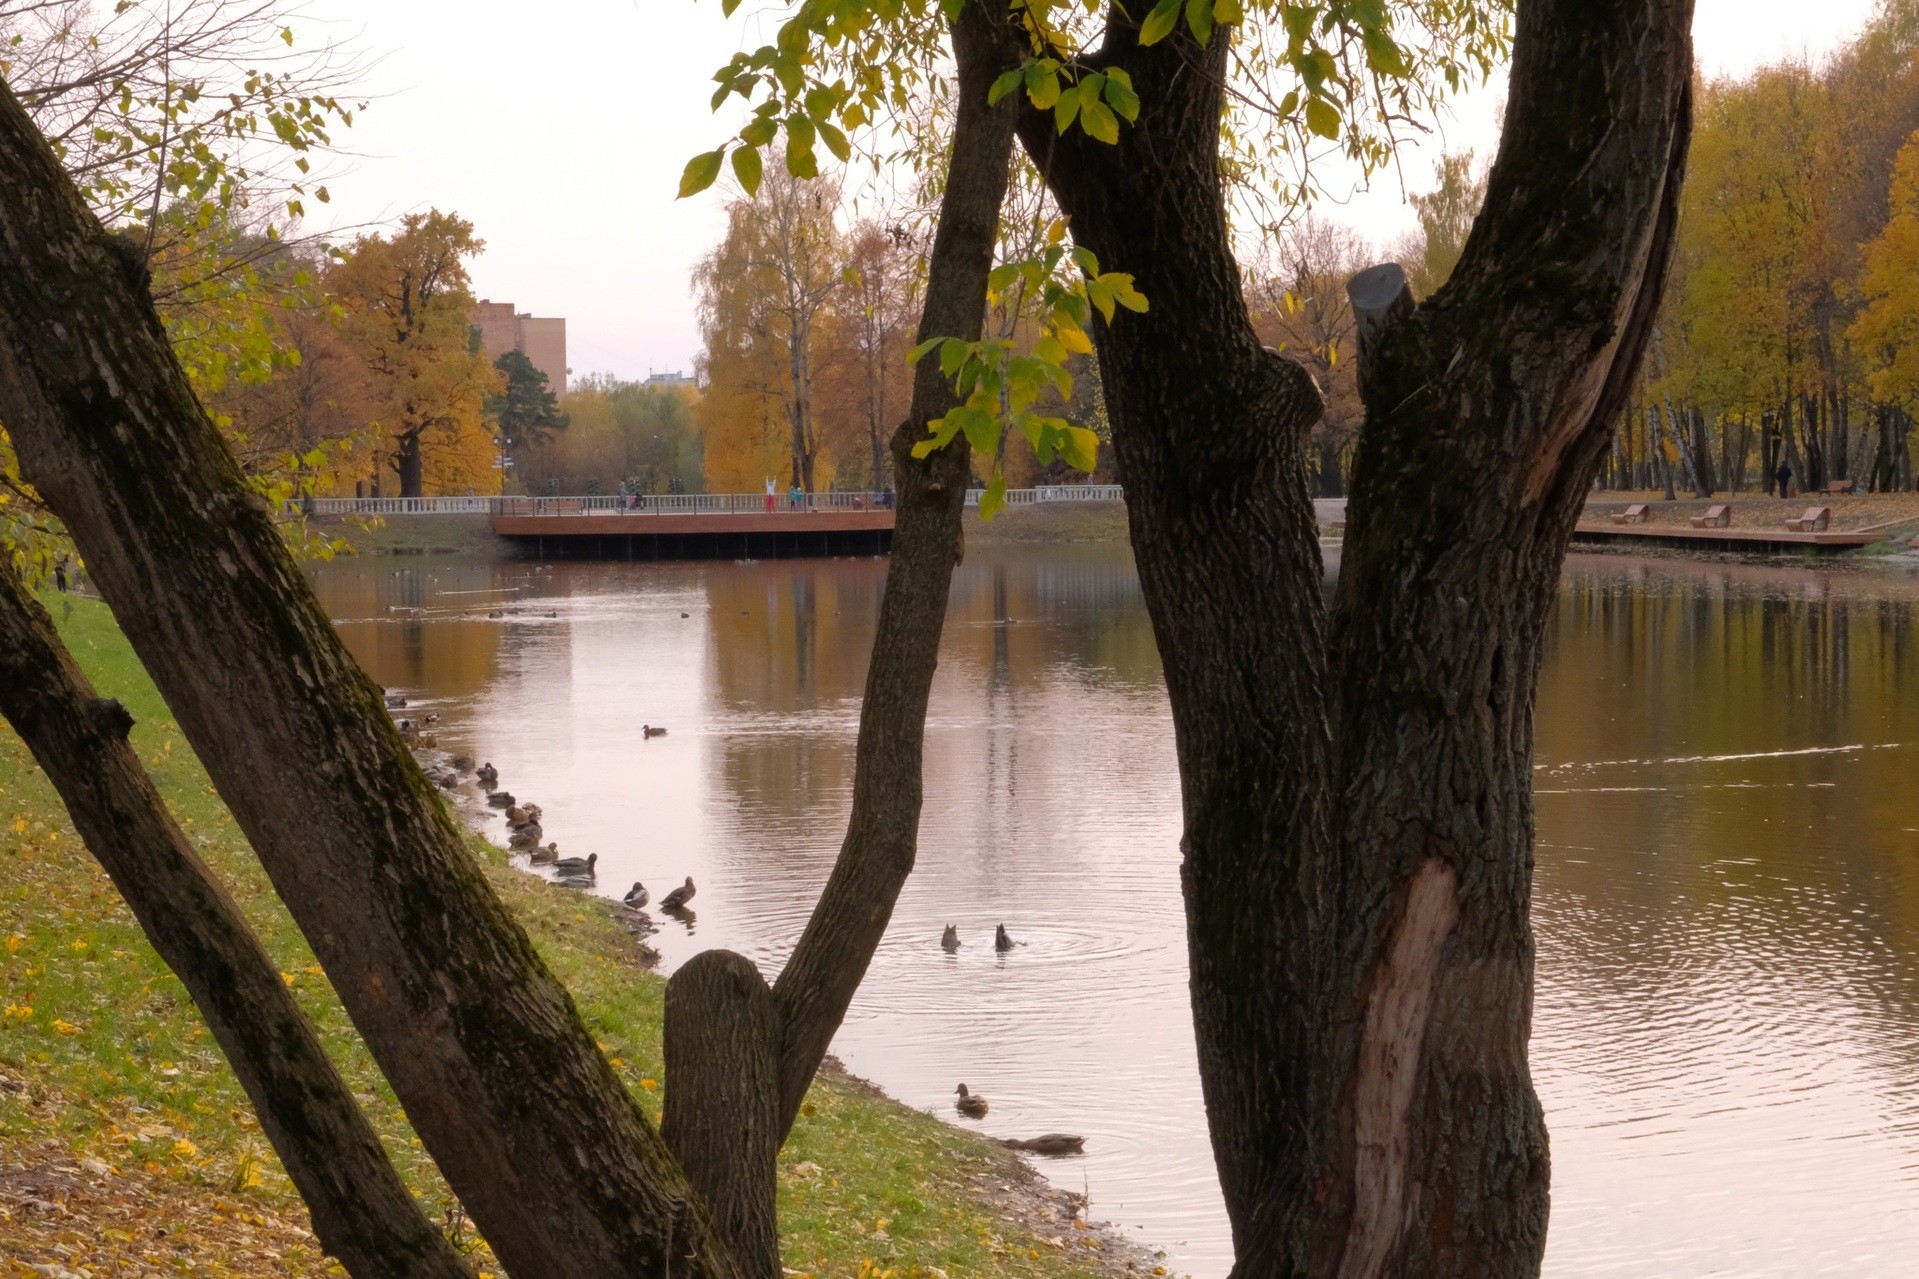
pixel 560 130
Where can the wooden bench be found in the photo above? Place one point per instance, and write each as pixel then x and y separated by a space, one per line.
pixel 1840 486
pixel 1715 517
pixel 1637 513
pixel 1814 520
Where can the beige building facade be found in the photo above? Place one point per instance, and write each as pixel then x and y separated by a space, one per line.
pixel 543 339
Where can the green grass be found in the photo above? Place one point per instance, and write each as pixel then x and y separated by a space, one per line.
pixel 119 1070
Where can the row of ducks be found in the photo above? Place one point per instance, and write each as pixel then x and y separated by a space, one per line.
pixel 950 942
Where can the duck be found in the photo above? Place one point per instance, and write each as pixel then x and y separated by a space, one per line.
pixel 647 730
pixel 395 702
pixel 686 615
pixel 545 856
pixel 678 898
pixel 1053 1145
pixel 576 865
pixel 1001 942
pixel 636 896
pixel 516 816
pixel 949 940
pixel 970 1104
pixel 500 799
pixel 525 836
pixel 495 615
pixel 489 776
pixel 463 763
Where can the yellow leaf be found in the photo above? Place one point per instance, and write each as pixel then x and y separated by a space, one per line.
pixel 651 1085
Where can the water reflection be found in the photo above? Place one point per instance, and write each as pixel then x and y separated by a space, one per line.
pixel 1727 896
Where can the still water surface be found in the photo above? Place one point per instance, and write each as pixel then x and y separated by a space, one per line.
pixel 1726 1036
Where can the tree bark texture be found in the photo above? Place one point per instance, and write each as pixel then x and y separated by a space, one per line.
pixel 362 1212
pixel 1357 784
pixel 553 1160
pixel 722 1100
pixel 882 835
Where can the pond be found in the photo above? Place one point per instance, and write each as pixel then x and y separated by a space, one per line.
pixel 1726 1035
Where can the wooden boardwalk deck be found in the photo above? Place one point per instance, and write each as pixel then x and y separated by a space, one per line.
pixel 1732 539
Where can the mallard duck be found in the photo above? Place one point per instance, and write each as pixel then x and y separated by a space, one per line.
pixel 576 865
pixel 525 836
pixel 972 1105
pixel 500 799
pixel 545 856
pixel 647 730
pixel 516 817
pixel 1001 942
pixel 949 940
pixel 1051 1144
pixel 636 896
pixel 489 776
pixel 678 898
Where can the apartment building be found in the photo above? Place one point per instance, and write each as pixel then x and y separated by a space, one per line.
pixel 543 339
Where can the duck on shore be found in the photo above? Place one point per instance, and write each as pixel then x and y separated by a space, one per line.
pixel 636 896
pixel 949 940
pixel 970 1104
pixel 677 899
pixel 577 865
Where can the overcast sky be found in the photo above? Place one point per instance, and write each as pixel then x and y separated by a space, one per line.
pixel 560 130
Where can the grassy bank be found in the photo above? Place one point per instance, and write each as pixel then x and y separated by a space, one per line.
pixel 1050 522
pixel 415 535
pixel 127 1147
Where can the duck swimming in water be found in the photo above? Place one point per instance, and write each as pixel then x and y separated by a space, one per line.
pixel 1054 1145
pixel 949 940
pixel 972 1105
pixel 577 865
pixel 1001 942
pixel 677 899
pixel 647 730
pixel 636 896
pixel 489 776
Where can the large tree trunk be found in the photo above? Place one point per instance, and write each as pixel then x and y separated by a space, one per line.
pixel 739 1060
pixel 555 1162
pixel 410 466
pixel 362 1212
pixel 1358 807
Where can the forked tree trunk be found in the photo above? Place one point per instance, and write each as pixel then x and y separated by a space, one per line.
pixel 1358 812
pixel 362 1212
pixel 537 1136
pixel 726 1130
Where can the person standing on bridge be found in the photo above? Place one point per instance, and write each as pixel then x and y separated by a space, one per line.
pixel 771 490
pixel 793 496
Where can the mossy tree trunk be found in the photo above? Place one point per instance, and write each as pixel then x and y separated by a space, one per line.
pixel 1357 783
pixel 719 1014
pixel 362 1212
pixel 552 1158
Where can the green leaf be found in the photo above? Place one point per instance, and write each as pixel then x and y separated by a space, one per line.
pixel 1044 90
pixel 1007 82
pixel 1322 118
pixel 1066 109
pixel 1120 96
pixel 759 132
pixel 800 160
pixel 700 172
pixel 1080 448
pixel 1199 16
pixel 953 353
pixel 1160 22
pixel 1099 121
pixel 1228 11
pixel 918 353
pixel 1124 293
pixel 993 500
pixel 835 142
pixel 1001 276
pixel 746 167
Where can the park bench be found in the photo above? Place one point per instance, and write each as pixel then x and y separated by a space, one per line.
pixel 1840 486
pixel 1814 520
pixel 1637 513
pixel 1715 517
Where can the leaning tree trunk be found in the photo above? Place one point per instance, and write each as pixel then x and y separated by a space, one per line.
pixel 555 1162
pixel 362 1212
pixel 739 1060
pixel 1358 809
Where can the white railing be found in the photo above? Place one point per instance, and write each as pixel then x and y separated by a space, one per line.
pixel 669 503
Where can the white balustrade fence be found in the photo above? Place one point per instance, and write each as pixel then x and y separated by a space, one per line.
pixel 668 503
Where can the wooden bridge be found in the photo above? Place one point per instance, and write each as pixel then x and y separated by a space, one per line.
pixel 687 525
